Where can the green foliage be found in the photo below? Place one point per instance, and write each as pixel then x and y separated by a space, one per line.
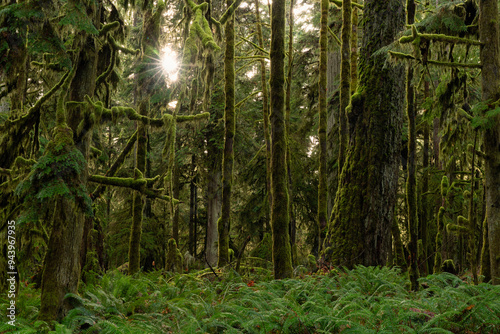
pixel 444 21
pixel 58 173
pixel 484 115
pixel 362 300
pixel 76 16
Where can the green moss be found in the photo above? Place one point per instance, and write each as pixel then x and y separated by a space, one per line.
pixel 174 259
pixel 445 185
pixel 449 267
pixel 108 27
pixel 264 248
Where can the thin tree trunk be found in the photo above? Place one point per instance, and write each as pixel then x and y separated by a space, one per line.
pixel 293 223
pixel 323 119
pixel 265 113
pixel 354 51
pixel 411 182
pixel 229 130
pixel 134 253
pixel 424 201
pixel 345 79
pixel 176 192
pixel 282 259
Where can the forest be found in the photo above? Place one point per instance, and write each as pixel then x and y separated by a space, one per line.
pixel 249 166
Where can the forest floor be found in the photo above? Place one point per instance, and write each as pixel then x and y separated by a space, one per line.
pixel 363 300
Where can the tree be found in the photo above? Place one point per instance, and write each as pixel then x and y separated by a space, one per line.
pixel 150 45
pixel 280 217
pixel 228 155
pixel 323 84
pixel 359 231
pixel 490 75
pixel 411 182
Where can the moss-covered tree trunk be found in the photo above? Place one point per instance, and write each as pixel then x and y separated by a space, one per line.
pixel 145 86
pixel 213 208
pixel 265 114
pixel 354 50
pixel 62 263
pixel 176 190
pixel 411 181
pixel 288 110
pixel 280 218
pixel 345 79
pixel 214 153
pixel 323 119
pixel 359 231
pixel 228 154
pixel 424 206
pixel 488 34
pixel 134 252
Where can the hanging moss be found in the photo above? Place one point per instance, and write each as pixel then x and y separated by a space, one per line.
pixel 173 259
pixel 264 248
pixel 106 28
pixel 100 80
pixel 445 186
pixel 448 266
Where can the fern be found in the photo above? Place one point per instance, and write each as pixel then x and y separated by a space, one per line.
pixel 362 300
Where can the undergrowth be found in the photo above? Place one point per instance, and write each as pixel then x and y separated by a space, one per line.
pixel 363 300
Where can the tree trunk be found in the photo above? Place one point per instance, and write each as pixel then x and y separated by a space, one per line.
pixel 293 222
pixel 411 181
pixel 359 231
pixel 134 253
pixel 214 154
pixel 213 212
pixel 282 259
pixel 229 130
pixel 323 94
pixel 345 79
pixel 490 73
pixel 62 264
pixel 265 116
pixel 61 267
pixel 424 207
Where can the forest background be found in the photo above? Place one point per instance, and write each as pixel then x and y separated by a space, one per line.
pixel 292 137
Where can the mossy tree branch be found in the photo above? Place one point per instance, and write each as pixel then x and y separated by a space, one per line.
pixel 117 164
pixel 139 184
pixel 417 37
pixel 339 3
pixel 402 55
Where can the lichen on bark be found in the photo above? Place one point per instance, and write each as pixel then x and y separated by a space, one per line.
pixel 359 231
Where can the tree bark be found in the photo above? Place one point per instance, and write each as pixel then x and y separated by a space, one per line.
pixel 323 119
pixel 288 108
pixel 411 181
pixel 229 131
pixel 134 253
pixel 282 259
pixel 62 263
pixel 359 231
pixel 345 79
pixel 265 116
pixel 490 73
